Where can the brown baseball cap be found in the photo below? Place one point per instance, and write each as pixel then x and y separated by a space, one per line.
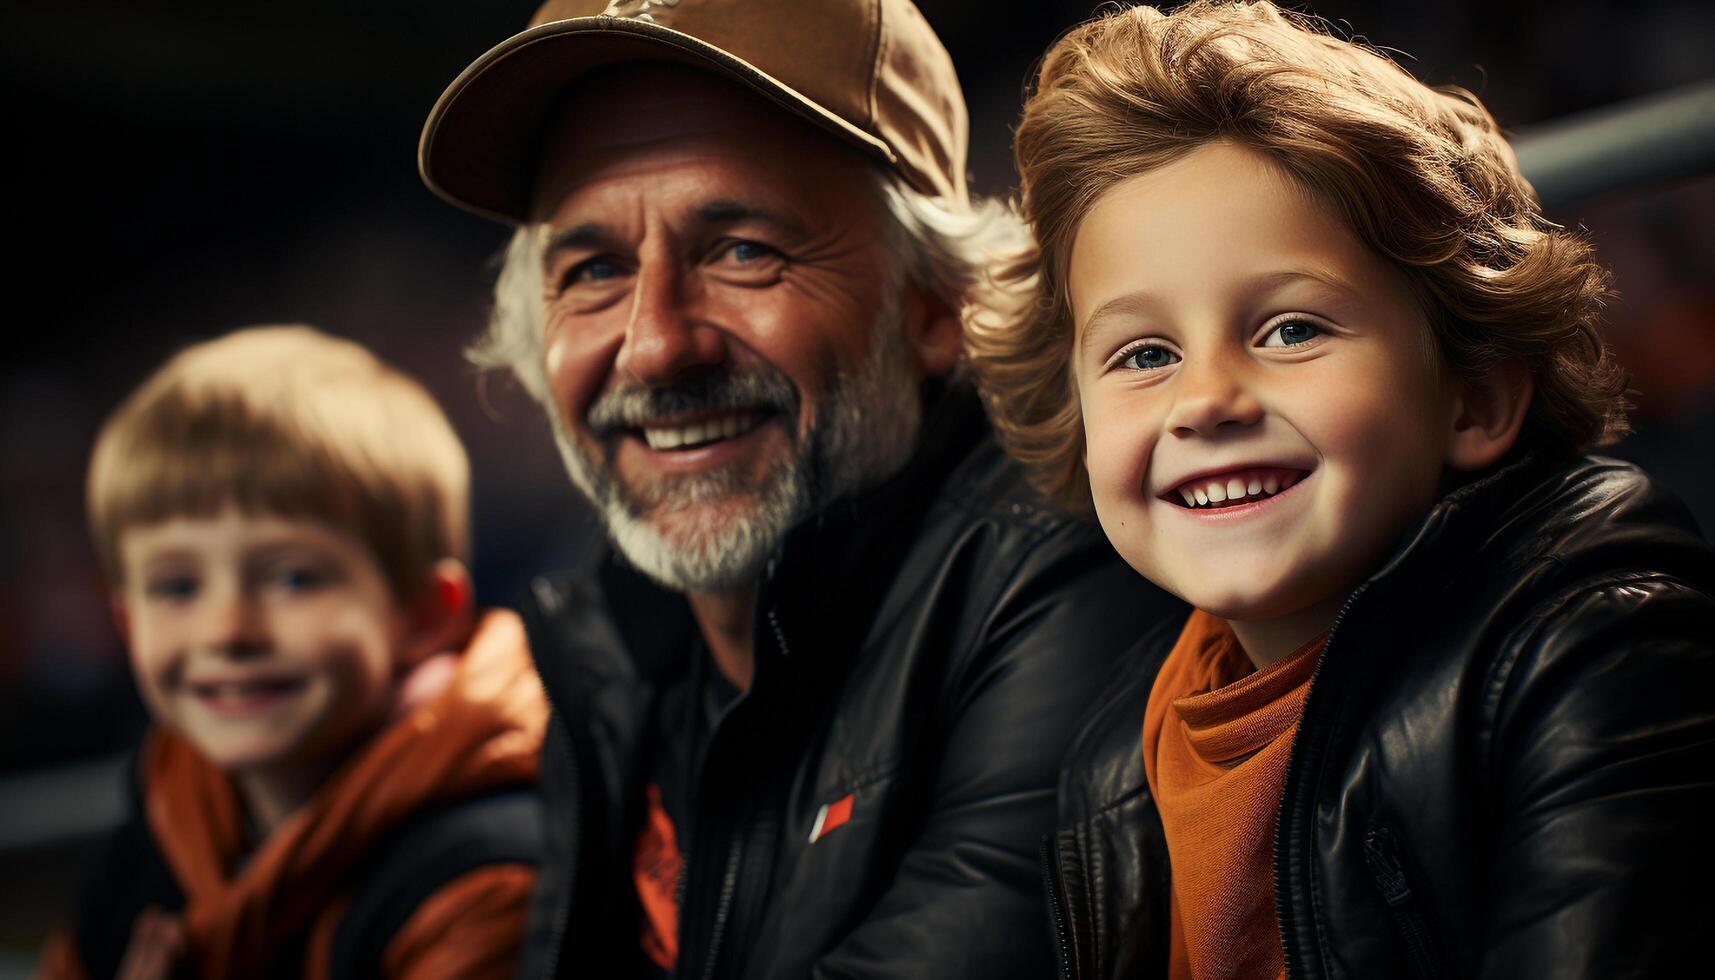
pixel 871 72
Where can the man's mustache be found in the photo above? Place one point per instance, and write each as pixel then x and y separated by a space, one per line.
pixel 635 406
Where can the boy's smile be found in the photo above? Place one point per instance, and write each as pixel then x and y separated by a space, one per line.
pixel 1264 411
pixel 270 643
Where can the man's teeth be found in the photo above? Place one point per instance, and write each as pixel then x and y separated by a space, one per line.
pixel 1206 493
pixel 708 430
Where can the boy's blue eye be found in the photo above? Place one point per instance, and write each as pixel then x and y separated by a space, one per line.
pixel 1292 333
pixel 174 587
pixel 1149 357
pixel 299 579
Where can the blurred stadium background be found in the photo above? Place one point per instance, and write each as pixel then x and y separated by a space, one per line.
pixel 183 167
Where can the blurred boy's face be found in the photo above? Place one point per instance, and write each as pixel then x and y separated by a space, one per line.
pixel 269 642
pixel 1263 408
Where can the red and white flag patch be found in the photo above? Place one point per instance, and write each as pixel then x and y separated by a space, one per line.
pixel 831 816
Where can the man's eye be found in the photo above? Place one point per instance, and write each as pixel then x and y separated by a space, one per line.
pixel 1149 357
pixel 744 252
pixel 598 269
pixel 1292 333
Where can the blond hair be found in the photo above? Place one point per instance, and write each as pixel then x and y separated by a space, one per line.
pixel 1421 175
pixel 289 421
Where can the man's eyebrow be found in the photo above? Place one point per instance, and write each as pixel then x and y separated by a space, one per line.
pixel 731 212
pixel 590 234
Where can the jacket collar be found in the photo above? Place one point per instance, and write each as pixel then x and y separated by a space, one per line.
pixel 607 622
pixel 1583 511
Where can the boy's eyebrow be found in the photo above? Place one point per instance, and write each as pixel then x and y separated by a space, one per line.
pixel 1288 276
pixel 1138 302
pixel 1129 304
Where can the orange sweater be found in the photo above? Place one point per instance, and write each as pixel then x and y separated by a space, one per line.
pixel 482 733
pixel 1217 737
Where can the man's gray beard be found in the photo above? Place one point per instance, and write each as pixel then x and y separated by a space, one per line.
pixel 866 432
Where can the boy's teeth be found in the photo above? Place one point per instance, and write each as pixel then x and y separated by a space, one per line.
pixel 1236 488
pixel 675 436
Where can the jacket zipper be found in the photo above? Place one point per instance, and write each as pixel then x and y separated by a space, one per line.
pixel 1057 906
pixel 533 633
pixel 563 909
pixel 1291 956
pixel 723 907
pixel 1387 871
pixel 752 840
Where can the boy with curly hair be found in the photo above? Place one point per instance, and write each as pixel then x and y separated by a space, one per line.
pixel 340 776
pixel 1296 329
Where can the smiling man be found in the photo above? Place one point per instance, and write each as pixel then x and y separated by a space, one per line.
pixel 810 706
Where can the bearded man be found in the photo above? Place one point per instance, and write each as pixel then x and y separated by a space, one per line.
pixel 809 708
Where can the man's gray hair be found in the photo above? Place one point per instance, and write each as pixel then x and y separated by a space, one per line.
pixel 943 250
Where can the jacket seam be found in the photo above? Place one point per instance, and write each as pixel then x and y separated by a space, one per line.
pixel 991 599
pixel 1502 672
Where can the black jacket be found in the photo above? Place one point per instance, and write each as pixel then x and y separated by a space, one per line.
pixel 926 649
pixel 1505 766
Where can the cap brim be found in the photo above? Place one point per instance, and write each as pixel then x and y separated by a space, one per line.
pixel 480 145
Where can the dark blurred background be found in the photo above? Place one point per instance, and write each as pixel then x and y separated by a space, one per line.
pixel 183 167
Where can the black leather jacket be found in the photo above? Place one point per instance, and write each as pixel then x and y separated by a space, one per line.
pixel 1505 766
pixel 926 650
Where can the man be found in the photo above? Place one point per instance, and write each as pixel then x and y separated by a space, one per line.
pixel 808 717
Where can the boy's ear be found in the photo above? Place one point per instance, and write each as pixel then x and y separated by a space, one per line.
pixel 441 614
pixel 1488 415
pixel 121 615
pixel 933 330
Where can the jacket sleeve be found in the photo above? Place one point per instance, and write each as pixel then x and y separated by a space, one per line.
pixel 58 959
pixel 1604 755
pixel 470 927
pixel 968 899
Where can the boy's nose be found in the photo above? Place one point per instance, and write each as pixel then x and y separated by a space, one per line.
pixel 233 624
pixel 664 339
pixel 1211 395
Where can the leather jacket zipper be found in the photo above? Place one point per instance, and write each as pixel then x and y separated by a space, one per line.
pixel 1291 956
pixel 749 851
pixel 1067 968
pixel 1387 871
pixel 723 907
pixel 563 909
pixel 545 598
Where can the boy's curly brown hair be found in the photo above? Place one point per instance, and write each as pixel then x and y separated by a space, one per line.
pixel 1421 175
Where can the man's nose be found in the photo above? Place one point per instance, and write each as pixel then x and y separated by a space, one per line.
pixel 664 339
pixel 1211 394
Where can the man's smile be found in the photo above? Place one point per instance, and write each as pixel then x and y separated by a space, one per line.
pixel 694 432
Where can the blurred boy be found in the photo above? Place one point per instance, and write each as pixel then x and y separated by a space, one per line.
pixel 1299 333
pixel 339 778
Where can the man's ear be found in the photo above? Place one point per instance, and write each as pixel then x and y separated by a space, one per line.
pixel 440 616
pixel 1488 414
pixel 933 330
